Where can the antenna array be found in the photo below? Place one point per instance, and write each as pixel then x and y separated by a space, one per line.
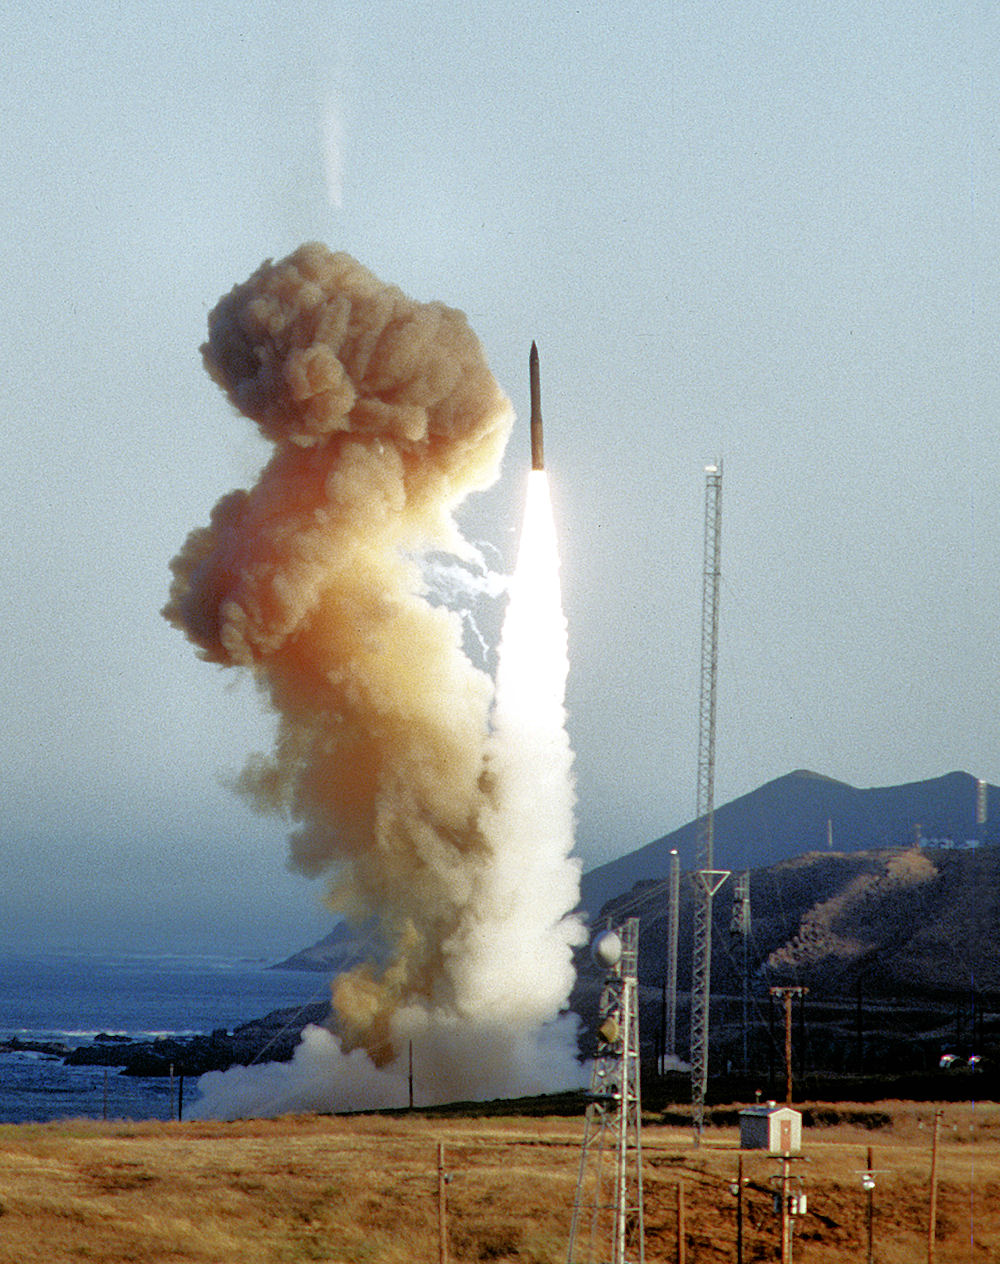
pixel 607 1224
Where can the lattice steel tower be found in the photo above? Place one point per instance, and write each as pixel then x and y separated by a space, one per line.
pixel 673 927
pixel 607 1224
pixel 707 879
pixel 739 933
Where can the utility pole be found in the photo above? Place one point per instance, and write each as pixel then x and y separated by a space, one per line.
pixel 442 1207
pixel 737 1190
pixel 791 1206
pixel 787 993
pixel 932 1218
pixel 708 880
pixel 868 1185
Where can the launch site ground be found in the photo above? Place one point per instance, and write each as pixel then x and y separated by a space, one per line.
pixel 364 1189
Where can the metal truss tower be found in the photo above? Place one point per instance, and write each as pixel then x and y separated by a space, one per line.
pixel 739 930
pixel 673 927
pixel 607 1224
pixel 708 880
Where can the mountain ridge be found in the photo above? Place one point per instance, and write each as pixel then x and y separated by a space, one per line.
pixel 789 816
pixel 897 921
pixel 883 909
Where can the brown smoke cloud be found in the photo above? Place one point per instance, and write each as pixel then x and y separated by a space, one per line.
pixel 384 415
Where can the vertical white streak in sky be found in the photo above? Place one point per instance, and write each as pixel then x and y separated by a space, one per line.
pixel 333 150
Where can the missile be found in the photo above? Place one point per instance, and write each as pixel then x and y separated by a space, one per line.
pixel 537 456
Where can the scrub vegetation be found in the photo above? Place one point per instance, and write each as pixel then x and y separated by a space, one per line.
pixel 363 1189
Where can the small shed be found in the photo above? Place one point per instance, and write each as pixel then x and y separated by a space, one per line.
pixel 777 1129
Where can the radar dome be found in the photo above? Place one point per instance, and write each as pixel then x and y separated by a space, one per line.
pixel 607 949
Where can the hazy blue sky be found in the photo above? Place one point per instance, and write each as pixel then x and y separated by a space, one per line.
pixel 765 231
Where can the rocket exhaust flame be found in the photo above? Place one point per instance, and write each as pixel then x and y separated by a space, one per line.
pixel 432 800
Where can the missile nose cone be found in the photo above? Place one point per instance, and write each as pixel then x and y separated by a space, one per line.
pixel 537 454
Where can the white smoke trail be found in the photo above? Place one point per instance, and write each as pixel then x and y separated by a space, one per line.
pixel 506 1032
pixel 524 936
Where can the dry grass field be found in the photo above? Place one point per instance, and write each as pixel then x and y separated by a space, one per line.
pixel 364 1189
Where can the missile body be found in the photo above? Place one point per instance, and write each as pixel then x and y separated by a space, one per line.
pixel 537 455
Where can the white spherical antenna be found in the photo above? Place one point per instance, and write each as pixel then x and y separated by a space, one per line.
pixel 607 949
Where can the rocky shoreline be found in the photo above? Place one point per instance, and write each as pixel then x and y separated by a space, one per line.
pixel 272 1038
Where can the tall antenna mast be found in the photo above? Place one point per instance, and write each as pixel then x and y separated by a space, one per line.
pixel 708 880
pixel 739 930
pixel 673 926
pixel 607 1225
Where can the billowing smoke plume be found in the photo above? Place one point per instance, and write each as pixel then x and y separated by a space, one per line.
pixel 435 805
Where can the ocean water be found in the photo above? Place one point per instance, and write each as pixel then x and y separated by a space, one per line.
pixel 70 998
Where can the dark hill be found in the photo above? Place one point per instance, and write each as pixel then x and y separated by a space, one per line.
pixel 798 814
pixel 899 950
pixel 900 922
pixel 874 908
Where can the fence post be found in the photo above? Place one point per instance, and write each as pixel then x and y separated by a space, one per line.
pixel 932 1218
pixel 442 1208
